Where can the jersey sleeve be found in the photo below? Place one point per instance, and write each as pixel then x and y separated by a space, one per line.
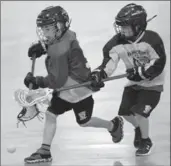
pixel 158 64
pixel 43 82
pixel 78 64
pixel 109 63
pixel 57 68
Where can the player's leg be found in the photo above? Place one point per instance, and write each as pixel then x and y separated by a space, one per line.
pixel 83 112
pixel 147 101
pixel 57 107
pixel 128 100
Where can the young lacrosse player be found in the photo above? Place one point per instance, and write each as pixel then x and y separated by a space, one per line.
pixel 66 65
pixel 143 54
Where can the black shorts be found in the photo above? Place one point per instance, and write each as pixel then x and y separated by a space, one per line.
pixel 138 101
pixel 82 109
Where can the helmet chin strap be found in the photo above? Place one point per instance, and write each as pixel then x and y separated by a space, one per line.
pixel 139 37
pixel 65 29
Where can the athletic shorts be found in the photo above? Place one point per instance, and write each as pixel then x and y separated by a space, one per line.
pixel 82 109
pixel 138 101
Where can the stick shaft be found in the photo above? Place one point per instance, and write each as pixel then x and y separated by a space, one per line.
pixel 32 69
pixel 89 82
pixel 151 18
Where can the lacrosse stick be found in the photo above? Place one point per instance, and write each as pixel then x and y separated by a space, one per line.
pixel 32 69
pixel 151 18
pixel 26 110
pixel 41 95
pixel 89 83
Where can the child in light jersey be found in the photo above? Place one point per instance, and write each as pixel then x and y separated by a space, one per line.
pixel 143 54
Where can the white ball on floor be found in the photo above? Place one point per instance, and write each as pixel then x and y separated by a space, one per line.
pixel 11 149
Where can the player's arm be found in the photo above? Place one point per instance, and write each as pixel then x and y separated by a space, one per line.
pixel 154 67
pixel 106 50
pixel 110 57
pixel 78 63
pixel 56 78
pixel 109 63
pixel 37 82
pixel 157 64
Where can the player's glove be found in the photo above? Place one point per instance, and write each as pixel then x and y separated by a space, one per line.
pixel 37 49
pixel 96 79
pixel 55 93
pixel 37 82
pixel 139 73
pixel 133 74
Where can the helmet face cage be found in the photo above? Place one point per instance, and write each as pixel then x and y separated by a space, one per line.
pixel 131 15
pixel 58 21
pixel 41 35
pixel 117 28
pixel 55 31
pixel 125 31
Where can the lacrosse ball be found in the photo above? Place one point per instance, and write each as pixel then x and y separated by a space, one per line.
pixel 11 149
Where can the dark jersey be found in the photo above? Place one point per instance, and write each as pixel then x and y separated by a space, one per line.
pixel 66 65
pixel 147 51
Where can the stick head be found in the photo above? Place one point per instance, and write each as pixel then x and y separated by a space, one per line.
pixel 27 98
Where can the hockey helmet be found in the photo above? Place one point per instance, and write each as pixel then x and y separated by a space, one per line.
pixel 131 15
pixel 56 18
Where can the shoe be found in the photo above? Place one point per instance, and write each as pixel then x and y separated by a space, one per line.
pixel 38 157
pixel 137 138
pixel 145 147
pixel 117 132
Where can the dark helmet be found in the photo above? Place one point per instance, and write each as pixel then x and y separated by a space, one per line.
pixel 53 15
pixel 132 15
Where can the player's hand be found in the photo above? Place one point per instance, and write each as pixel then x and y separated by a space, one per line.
pixel 37 49
pixel 138 74
pixel 55 93
pixel 30 79
pixel 133 74
pixel 96 79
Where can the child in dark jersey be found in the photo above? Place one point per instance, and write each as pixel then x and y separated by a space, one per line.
pixel 66 65
pixel 143 54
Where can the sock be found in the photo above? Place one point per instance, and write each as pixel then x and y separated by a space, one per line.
pixel 144 126
pixel 146 139
pixel 45 147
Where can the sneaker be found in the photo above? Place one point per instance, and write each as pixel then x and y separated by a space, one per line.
pixel 117 132
pixel 137 138
pixel 38 157
pixel 145 147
